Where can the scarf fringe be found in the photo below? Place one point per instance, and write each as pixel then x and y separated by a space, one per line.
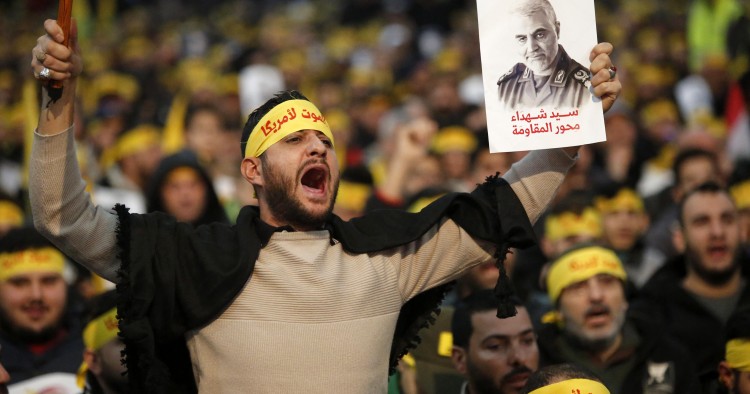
pixel 410 339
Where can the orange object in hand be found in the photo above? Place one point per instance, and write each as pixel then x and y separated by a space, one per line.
pixel 64 11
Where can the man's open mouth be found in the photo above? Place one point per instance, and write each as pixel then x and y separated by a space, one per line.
pixel 314 179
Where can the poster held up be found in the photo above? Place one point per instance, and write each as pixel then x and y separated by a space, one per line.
pixel 535 58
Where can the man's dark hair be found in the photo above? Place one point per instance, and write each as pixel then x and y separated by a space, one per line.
pixel 205 107
pixel 688 154
pixel 23 238
pixel 576 202
pixel 710 187
pixel 480 301
pixel 258 113
pixel 557 373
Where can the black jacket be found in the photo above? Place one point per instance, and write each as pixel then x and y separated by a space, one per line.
pixel 684 318
pixel 654 350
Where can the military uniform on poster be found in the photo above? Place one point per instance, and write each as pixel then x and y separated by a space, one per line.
pixel 566 87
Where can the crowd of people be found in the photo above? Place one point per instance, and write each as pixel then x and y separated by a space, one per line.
pixel 639 272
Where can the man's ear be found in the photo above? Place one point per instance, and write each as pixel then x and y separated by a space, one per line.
pixel 726 375
pixel 458 356
pixel 251 169
pixel 92 360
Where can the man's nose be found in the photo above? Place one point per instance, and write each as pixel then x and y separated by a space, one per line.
pixel 35 290
pixel 316 147
pixel 531 44
pixel 595 289
pixel 717 228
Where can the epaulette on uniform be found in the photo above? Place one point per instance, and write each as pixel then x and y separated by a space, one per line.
pixel 515 70
pixel 581 75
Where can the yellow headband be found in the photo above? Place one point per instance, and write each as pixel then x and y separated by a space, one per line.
pixel 573 386
pixel 97 334
pixel 10 213
pixel 31 260
pixel 579 265
pixel 741 194
pixel 624 200
pixel 569 224
pixel 284 119
pixel 738 354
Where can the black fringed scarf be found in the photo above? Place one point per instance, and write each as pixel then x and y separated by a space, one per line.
pixel 175 278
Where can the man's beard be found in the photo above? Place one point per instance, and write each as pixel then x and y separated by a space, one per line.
pixel 712 276
pixel 286 206
pixel 26 335
pixel 483 383
pixel 577 336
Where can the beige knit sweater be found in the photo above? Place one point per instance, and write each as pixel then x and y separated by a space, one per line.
pixel 313 318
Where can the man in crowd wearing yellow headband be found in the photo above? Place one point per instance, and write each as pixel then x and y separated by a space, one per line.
pixel 694 294
pixel 734 370
pixel 570 221
pixel 135 156
pixel 39 331
pixel 325 297
pixel 565 378
pixel 101 371
pixel 495 356
pixel 591 327
pixel 624 222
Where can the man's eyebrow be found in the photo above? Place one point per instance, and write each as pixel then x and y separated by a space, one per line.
pixel 541 29
pixel 508 336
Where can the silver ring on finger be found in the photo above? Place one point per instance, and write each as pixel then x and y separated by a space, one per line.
pixel 612 72
pixel 44 74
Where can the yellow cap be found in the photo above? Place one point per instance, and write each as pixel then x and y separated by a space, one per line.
pixel 574 386
pixel 353 196
pixel 738 354
pixel 137 140
pixel 568 224
pixel 625 200
pixel 454 138
pixel 741 194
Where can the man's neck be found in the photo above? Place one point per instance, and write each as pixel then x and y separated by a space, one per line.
pixel 605 355
pixel 42 347
pixel 696 285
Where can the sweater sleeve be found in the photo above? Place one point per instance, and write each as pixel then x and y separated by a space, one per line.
pixel 536 178
pixel 62 209
pixel 443 254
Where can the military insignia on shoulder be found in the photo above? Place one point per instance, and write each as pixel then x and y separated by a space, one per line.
pixel 507 74
pixel 559 76
pixel 581 76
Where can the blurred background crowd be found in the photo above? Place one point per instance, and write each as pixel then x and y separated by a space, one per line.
pixel 168 84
